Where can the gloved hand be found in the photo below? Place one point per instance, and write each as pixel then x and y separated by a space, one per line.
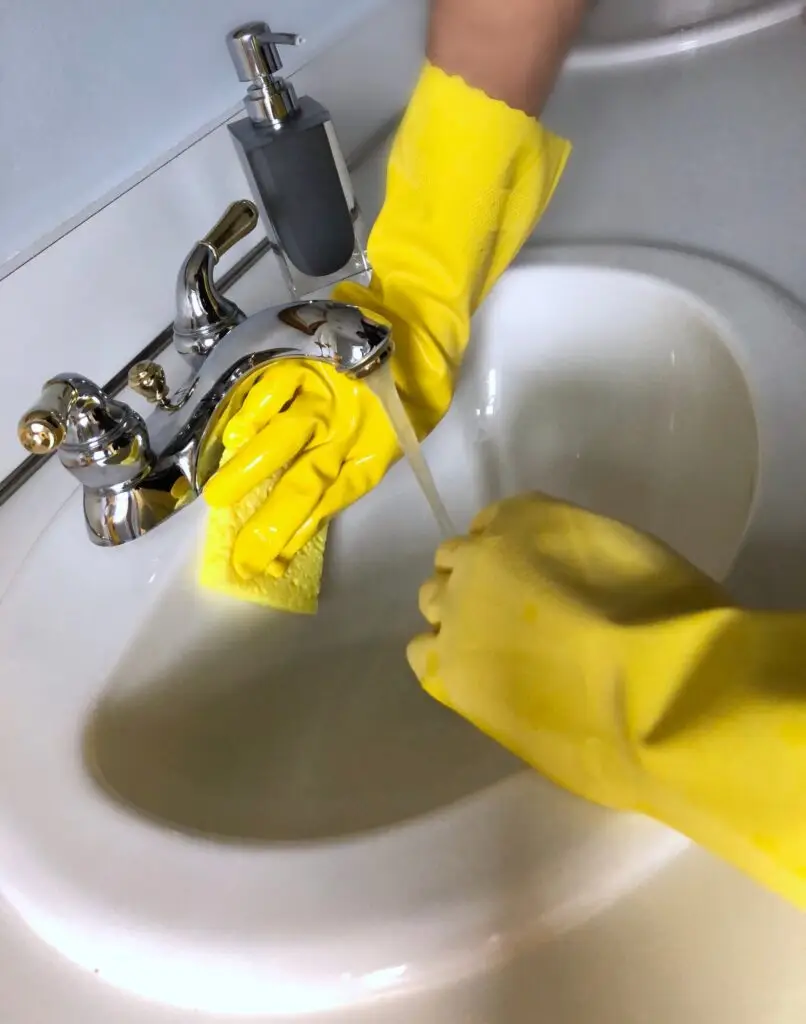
pixel 467 179
pixel 620 671
pixel 331 432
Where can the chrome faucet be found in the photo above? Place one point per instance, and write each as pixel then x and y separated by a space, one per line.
pixel 138 473
pixel 203 314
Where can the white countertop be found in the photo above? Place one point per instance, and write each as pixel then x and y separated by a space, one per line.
pixel 704 152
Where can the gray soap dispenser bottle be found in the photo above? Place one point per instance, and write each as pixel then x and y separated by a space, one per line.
pixel 295 167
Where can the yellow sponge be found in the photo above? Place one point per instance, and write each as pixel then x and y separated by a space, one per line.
pixel 296 591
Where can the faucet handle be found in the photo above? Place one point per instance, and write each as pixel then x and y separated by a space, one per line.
pixel 70 408
pixel 103 442
pixel 203 314
pixel 237 221
pixel 43 428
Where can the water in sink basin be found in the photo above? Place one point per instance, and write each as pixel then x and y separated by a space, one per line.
pixel 608 389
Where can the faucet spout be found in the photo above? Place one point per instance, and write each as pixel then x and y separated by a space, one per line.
pixel 135 473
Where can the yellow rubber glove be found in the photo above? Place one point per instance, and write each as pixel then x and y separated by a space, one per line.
pixel 467 179
pixel 617 669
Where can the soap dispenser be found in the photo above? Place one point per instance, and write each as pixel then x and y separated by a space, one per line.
pixel 295 167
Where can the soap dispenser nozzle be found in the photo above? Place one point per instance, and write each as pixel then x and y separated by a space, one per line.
pixel 270 100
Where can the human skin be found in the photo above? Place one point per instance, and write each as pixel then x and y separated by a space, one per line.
pixel 511 49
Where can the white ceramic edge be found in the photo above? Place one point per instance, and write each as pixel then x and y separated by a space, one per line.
pixel 602 56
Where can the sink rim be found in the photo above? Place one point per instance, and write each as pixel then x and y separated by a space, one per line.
pixel 592 56
pixel 33 883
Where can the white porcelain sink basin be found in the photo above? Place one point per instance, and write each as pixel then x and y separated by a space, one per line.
pixel 237 811
pixel 628 32
pixel 620 20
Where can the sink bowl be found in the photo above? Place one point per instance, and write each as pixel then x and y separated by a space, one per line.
pixel 238 811
pixel 623 20
pixel 229 721
pixel 619 33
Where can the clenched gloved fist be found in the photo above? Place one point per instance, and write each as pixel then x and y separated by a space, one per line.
pixel 617 669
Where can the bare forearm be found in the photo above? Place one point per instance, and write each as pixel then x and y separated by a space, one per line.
pixel 512 49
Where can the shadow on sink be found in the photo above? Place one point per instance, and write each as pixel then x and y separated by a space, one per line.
pixel 270 732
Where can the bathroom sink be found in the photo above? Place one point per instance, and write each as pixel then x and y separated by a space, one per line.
pixel 623 20
pixel 235 722
pixel 628 32
pixel 235 810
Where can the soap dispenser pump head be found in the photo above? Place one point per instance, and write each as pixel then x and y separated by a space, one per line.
pixel 270 100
